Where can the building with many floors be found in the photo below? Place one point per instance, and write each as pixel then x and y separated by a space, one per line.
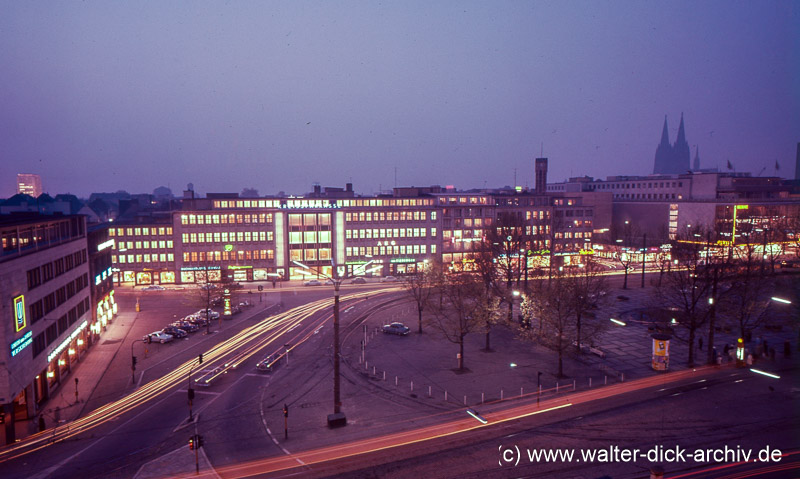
pixel 257 239
pixel 45 298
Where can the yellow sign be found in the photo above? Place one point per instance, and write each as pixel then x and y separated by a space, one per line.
pixel 20 321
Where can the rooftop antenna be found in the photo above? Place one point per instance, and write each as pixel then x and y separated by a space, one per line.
pixel 541 153
pixel 395 177
pixel 515 177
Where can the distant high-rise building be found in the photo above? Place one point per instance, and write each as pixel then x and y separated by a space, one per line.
pixel 672 159
pixel 797 164
pixel 29 184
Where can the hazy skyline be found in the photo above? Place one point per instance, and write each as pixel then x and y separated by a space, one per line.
pixel 102 96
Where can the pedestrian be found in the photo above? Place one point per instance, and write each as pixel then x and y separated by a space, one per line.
pixel 726 349
pixel 42 425
pixel 700 343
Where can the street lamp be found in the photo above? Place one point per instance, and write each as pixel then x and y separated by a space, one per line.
pixel 337 418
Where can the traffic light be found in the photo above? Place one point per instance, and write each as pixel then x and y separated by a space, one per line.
pixel 133 360
pixel 285 410
pixel 192 443
pixel 200 358
pixel 260 288
pixel 199 440
pixel 191 394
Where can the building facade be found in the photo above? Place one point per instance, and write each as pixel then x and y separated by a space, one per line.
pixel 224 236
pixel 45 300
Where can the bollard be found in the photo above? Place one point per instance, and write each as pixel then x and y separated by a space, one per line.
pixel 556 388
pixel 622 377
pixel 366 365
pixel 373 370
pixel 465 400
pixel 429 391
pixel 590 382
pixel 445 395
pixel 501 394
pixel 384 375
pixel 412 386
pixel 482 398
pixel 606 381
pixel 395 380
pixel 520 392
pixel 573 384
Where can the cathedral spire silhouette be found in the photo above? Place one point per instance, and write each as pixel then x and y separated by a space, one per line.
pixel 672 159
pixel 665 132
pixel 696 163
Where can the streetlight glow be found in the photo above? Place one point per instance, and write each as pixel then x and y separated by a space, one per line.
pixel 781 300
pixel 617 321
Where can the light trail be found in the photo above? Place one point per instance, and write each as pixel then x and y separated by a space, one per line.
pixel 253 338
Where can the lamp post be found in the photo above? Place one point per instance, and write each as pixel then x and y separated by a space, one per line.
pixel 337 418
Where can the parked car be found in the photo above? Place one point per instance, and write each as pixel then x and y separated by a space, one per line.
pixel 329 282
pixel 187 326
pixel 195 319
pixel 211 314
pixel 175 332
pixel 158 337
pixel 399 329
pixel 312 282
pixel 388 279
pixel 154 287
pixel 358 281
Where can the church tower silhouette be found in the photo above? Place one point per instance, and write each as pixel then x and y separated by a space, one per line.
pixel 672 159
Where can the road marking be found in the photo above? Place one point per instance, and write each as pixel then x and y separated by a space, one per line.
pixel 198 391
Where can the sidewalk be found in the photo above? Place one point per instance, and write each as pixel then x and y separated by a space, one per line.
pixel 62 406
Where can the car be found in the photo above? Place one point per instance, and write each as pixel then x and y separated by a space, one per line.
pixel 175 332
pixel 208 286
pixel 211 314
pixel 246 304
pixel 158 337
pixel 358 281
pixel 269 363
pixel 313 282
pixel 187 326
pixel 399 329
pixel 388 279
pixel 329 282
pixel 154 287
pixel 196 319
pixel 205 376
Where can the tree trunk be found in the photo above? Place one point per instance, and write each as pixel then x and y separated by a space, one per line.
pixel 488 333
pixel 419 309
pixel 625 282
pixel 692 332
pixel 461 348
pixel 712 321
pixel 578 335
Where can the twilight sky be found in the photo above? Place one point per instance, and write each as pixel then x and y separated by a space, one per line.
pixel 102 96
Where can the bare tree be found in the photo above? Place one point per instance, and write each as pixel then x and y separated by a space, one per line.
pixel 748 300
pixel 623 248
pixel 457 305
pixel 588 287
pixel 686 288
pixel 484 266
pixel 506 240
pixel 551 302
pixel 418 287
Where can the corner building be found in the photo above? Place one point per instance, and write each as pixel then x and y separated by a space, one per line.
pixel 46 310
